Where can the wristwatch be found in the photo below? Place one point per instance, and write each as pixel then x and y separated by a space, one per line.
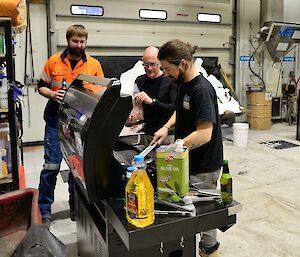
pixel 154 101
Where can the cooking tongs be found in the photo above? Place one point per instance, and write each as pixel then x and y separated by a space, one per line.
pixel 148 149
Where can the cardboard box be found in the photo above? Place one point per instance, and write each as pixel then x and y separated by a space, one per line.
pixel 172 169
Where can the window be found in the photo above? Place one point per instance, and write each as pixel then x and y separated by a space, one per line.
pixel 87 10
pixel 207 17
pixel 153 14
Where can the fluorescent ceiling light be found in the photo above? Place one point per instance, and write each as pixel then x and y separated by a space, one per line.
pixel 153 14
pixel 282 46
pixel 206 17
pixel 87 10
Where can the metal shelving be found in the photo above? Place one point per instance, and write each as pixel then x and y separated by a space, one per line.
pixel 10 115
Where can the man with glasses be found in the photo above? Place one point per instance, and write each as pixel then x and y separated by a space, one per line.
pixel 157 95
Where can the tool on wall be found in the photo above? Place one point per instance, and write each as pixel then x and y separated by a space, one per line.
pixel 32 75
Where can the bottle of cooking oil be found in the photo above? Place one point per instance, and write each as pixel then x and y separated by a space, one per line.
pixel 226 185
pixel 139 196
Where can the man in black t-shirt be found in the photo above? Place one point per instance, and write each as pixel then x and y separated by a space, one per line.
pixel 196 122
pixel 157 95
pixel 197 104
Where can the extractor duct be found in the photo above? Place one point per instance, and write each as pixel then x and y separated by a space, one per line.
pixel 280 37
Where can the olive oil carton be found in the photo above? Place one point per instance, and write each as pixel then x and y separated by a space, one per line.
pixel 172 167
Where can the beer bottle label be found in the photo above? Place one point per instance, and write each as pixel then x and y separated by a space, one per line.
pixel 227 188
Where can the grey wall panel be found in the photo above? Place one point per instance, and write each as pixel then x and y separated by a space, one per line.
pixel 177 10
pixel 121 32
pixel 141 34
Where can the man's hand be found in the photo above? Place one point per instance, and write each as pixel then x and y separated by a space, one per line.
pixel 142 97
pixel 136 114
pixel 53 95
pixel 59 95
pixel 160 135
pixel 132 118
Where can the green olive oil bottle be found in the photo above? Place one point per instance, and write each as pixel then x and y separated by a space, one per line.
pixel 226 185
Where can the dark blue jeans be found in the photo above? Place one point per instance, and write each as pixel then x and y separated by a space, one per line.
pixel 48 177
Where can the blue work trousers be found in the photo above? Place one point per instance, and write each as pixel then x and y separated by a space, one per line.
pixel 51 168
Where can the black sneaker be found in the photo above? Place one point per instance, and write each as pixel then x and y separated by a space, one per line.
pixel 210 252
pixel 46 222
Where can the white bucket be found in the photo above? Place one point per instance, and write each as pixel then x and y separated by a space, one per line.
pixel 240 134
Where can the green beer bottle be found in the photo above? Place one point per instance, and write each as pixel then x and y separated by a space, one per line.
pixel 226 185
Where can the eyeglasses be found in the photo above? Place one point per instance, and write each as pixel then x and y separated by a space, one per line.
pixel 150 64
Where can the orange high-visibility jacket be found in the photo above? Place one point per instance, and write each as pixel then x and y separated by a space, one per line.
pixel 58 68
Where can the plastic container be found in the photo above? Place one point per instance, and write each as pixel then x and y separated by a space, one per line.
pixel 2 43
pixel 139 196
pixel 3 165
pixel 240 134
pixel 129 172
pixel 138 162
pixel 3 90
pixel 172 169
pixel 4 132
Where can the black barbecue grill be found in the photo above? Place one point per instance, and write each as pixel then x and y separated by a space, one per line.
pixel 90 122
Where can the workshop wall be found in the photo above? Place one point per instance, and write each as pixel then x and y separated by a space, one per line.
pixel 119 32
pixel 33 104
pixel 291 11
pixel 291 14
pixel 248 26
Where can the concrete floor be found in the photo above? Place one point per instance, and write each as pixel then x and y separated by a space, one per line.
pixel 265 180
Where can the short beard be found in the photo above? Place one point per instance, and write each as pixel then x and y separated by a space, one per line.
pixel 72 51
pixel 180 76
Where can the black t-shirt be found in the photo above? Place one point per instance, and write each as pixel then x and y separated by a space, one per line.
pixel 164 90
pixel 73 63
pixel 196 103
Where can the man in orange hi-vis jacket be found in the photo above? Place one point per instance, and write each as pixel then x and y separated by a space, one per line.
pixel 60 70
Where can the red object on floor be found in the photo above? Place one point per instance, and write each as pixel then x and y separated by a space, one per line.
pixel 18 211
pixel 22 184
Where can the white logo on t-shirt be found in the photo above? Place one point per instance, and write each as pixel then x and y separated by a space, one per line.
pixel 186 102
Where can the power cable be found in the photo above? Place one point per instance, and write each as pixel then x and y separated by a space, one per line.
pixel 28 30
pixel 278 83
pixel 249 64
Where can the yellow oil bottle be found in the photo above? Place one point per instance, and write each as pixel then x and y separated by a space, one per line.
pixel 139 197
